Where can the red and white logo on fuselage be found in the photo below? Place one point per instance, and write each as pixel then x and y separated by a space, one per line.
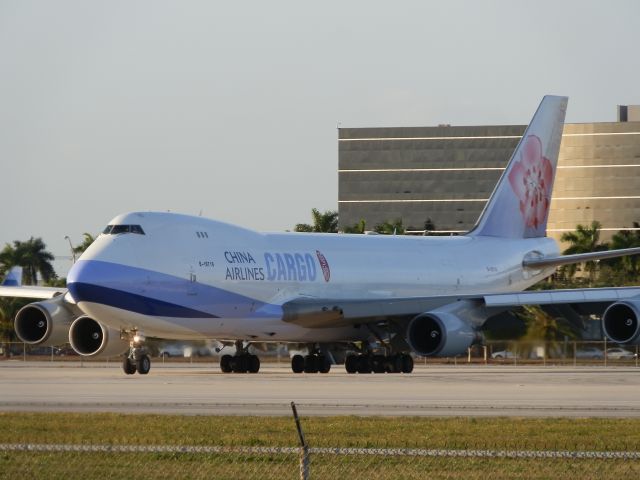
pixel 324 265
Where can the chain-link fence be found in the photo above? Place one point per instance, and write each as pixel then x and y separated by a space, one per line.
pixel 568 353
pixel 162 462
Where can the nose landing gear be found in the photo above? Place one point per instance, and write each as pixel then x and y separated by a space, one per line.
pixel 136 359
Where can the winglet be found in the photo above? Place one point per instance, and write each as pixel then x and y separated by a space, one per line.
pixel 13 278
pixel 519 205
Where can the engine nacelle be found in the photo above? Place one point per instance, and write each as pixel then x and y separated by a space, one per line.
pixel 446 331
pixel 44 323
pixel 90 338
pixel 620 322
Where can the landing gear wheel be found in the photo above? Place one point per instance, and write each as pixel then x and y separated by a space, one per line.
pixel 239 364
pixel 407 363
pixel 297 364
pixel 378 364
pixel 351 364
pixel 225 363
pixel 324 365
pixel 310 364
pixel 128 366
pixel 143 364
pixel 393 364
pixel 364 364
pixel 253 364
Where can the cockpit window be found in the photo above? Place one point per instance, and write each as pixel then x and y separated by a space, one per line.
pixel 117 229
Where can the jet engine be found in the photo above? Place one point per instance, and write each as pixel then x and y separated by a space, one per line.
pixel 91 339
pixel 44 323
pixel 620 322
pixel 446 331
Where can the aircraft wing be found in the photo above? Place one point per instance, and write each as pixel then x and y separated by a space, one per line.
pixel 326 313
pixel 556 261
pixel 11 286
pixel 559 297
pixel 31 292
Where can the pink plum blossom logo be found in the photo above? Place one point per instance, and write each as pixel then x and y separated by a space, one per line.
pixel 531 179
pixel 324 265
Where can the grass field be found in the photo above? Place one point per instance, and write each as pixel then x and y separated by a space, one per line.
pixel 418 432
pixel 371 432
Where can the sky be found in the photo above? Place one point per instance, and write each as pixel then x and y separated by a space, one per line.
pixel 231 109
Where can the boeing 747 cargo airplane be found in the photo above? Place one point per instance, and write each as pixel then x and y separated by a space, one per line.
pixel 333 295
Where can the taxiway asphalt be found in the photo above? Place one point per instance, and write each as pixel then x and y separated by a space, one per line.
pixel 443 390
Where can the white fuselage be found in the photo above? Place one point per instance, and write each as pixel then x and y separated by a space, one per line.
pixel 189 277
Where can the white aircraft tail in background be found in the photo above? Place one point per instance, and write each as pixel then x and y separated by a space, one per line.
pixel 13 278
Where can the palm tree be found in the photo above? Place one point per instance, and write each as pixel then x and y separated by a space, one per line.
pixel 8 259
pixel 627 239
pixel 88 239
pixel 544 328
pixel 390 227
pixel 357 227
pixel 584 240
pixel 8 308
pixel 322 222
pixel 32 256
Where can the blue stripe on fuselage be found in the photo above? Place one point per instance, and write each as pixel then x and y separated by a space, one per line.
pixel 158 294
pixel 86 292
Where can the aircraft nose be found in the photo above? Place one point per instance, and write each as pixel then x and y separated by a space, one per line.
pixel 101 282
pixel 83 279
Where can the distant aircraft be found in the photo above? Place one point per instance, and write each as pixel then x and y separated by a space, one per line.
pixel 183 277
pixel 13 278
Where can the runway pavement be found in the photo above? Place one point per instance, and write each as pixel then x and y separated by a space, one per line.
pixel 429 391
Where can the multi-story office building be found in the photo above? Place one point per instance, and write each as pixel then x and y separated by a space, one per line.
pixel 445 174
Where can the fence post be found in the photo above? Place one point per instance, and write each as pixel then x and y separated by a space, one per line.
pixel 304 450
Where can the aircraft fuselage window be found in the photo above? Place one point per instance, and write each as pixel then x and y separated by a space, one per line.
pixel 117 229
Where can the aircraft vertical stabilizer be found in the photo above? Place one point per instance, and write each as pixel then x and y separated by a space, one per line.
pixel 13 278
pixel 519 205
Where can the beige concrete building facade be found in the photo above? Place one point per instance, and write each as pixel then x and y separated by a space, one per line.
pixel 446 174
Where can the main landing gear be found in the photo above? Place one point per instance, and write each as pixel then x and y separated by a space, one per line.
pixel 368 363
pixel 241 362
pixel 136 359
pixel 314 363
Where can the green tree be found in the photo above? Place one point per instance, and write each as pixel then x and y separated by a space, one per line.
pixel 32 256
pixel 359 227
pixel 544 328
pixel 584 240
pixel 9 306
pixel 394 227
pixel 8 259
pixel 87 240
pixel 628 264
pixel 326 222
pixel 429 226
